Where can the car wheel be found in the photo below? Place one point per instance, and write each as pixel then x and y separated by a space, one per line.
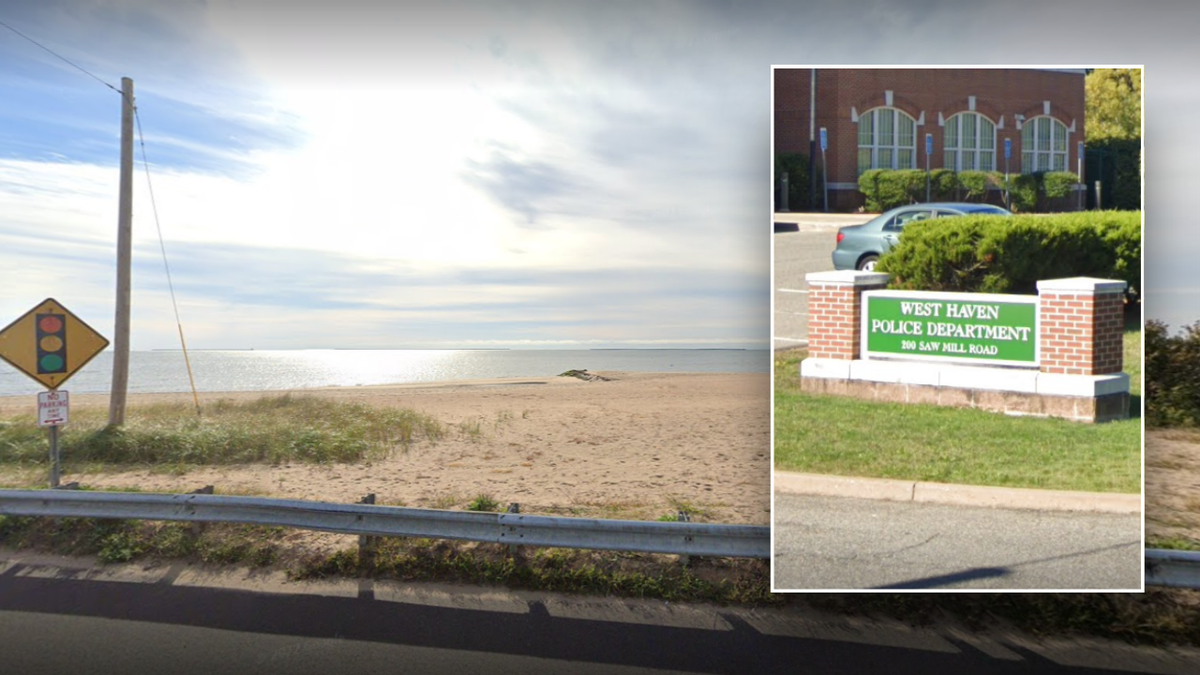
pixel 867 263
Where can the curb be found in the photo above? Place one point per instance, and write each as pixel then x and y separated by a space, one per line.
pixel 787 482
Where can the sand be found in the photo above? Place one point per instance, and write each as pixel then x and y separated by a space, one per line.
pixel 640 445
pixel 1173 484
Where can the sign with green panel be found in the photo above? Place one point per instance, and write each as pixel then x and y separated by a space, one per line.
pixel 979 328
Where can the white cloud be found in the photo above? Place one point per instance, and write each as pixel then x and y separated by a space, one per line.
pixel 381 144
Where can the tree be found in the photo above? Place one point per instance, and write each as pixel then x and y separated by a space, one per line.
pixel 1113 104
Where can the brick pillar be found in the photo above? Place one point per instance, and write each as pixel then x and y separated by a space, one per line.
pixel 1082 322
pixel 835 312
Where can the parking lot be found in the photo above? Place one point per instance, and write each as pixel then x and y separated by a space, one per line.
pixel 803 244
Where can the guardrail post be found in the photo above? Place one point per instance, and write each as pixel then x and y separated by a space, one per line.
pixel 198 527
pixel 367 543
pixel 513 549
pixel 684 517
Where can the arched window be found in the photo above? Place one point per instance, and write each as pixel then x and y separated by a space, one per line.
pixel 970 143
pixel 887 139
pixel 1043 145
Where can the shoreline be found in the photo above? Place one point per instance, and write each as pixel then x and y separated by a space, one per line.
pixel 90 397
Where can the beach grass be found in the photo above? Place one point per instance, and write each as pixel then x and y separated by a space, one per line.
pixel 272 429
pixel 852 437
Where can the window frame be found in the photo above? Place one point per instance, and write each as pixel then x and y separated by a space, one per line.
pixel 955 147
pixel 877 132
pixel 1036 150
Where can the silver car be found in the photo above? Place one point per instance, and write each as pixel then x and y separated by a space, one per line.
pixel 859 246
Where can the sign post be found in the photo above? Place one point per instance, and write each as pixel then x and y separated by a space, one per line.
pixel 824 170
pixel 1079 164
pixel 928 152
pixel 1007 155
pixel 50 344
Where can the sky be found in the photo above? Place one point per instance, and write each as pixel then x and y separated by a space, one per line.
pixel 480 174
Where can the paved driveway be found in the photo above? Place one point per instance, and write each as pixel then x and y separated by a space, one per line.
pixel 798 251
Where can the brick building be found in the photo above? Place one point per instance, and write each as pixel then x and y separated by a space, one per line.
pixel 879 118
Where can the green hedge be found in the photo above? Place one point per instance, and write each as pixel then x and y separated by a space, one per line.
pixel 974 185
pixel 1010 254
pixel 1023 193
pixel 1172 368
pixel 888 188
pixel 945 185
pixel 1058 184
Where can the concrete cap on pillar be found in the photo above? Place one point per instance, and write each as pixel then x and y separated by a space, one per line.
pixel 1082 285
pixel 847 278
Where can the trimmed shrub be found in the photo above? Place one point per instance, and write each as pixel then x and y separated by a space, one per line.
pixel 885 188
pixel 1058 184
pixel 1022 193
pixel 1010 254
pixel 888 188
pixel 944 185
pixel 974 184
pixel 868 184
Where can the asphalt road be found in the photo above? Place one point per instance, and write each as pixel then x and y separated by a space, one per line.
pixel 843 543
pixel 806 249
pixel 57 620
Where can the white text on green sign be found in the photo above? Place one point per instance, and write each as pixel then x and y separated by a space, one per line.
pixel 982 328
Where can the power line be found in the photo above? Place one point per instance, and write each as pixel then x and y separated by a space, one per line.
pixel 150 190
pixel 162 245
pixel 65 59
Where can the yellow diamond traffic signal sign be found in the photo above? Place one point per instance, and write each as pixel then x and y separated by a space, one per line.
pixel 50 343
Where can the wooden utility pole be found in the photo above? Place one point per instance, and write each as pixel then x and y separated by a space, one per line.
pixel 120 377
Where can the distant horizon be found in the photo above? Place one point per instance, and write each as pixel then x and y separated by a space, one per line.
pixel 253 370
pixel 464 349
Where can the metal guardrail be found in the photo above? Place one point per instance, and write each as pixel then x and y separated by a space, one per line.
pixel 703 539
pixel 1179 569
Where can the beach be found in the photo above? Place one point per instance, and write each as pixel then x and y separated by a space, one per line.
pixel 636 445
pixel 1173 484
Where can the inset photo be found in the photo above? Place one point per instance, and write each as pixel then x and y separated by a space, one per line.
pixel 957 328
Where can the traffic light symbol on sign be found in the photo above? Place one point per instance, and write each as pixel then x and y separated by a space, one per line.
pixel 51 344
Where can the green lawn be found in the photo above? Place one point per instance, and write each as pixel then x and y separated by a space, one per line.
pixel 850 437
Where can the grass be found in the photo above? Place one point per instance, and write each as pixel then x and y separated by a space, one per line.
pixel 1173 543
pixel 720 580
pixel 1159 616
pixel 554 570
pixel 681 506
pixel 852 437
pixel 119 541
pixel 276 429
pixel 483 502
pixel 471 429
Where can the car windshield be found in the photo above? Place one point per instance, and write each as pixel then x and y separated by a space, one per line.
pixel 988 210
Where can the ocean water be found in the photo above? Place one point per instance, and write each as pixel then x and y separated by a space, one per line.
pixel 166 372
